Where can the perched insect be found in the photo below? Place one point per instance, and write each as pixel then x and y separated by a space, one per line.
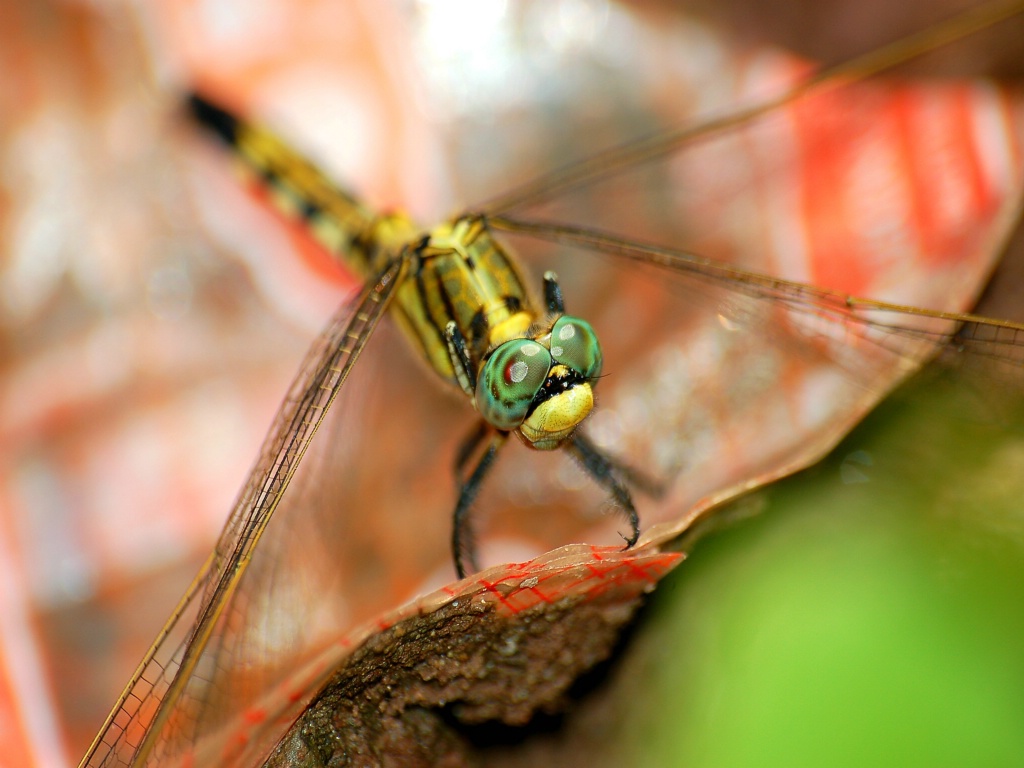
pixel 463 300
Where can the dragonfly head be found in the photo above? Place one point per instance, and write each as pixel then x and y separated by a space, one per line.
pixel 541 387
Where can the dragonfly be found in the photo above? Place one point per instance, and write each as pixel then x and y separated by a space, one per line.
pixel 464 302
pixel 168 703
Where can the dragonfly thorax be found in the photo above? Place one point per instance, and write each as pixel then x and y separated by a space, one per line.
pixel 461 275
pixel 525 374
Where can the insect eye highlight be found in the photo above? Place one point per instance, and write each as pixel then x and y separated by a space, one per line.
pixel 509 381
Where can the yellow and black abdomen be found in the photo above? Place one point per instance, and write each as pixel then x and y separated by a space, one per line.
pixel 346 228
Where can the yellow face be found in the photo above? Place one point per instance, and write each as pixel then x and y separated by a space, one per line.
pixel 555 419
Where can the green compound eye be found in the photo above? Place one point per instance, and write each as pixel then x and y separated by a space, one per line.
pixel 509 381
pixel 574 344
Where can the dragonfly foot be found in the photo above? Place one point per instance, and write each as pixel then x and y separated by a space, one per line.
pixel 606 472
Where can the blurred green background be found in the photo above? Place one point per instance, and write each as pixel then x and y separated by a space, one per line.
pixel 870 613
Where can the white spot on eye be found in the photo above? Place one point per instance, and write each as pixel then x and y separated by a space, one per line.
pixel 567 331
pixel 530 349
pixel 518 371
pixel 557 351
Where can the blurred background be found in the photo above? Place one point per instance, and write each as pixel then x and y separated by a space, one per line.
pixel 152 315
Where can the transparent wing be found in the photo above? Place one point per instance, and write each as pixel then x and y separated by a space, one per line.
pixel 628 156
pixel 864 188
pixel 162 709
pixel 737 378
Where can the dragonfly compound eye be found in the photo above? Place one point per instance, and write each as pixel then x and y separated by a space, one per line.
pixel 510 380
pixel 574 344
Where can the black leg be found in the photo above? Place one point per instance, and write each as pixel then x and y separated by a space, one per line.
pixel 606 472
pixel 631 476
pixel 469 445
pixel 463 545
pixel 459 356
pixel 553 294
